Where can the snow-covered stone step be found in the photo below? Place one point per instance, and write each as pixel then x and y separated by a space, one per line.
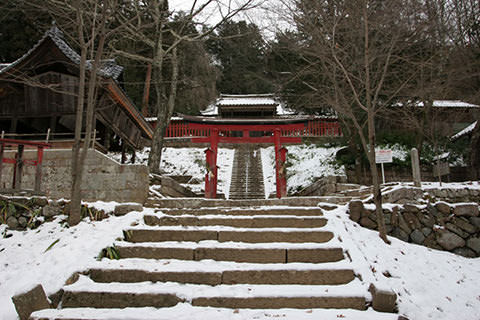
pixel 229 277
pixel 185 311
pixel 87 293
pixel 316 202
pixel 223 235
pixel 171 265
pixel 242 222
pixel 229 253
pixel 277 211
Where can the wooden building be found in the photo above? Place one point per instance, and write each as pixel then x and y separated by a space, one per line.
pixel 38 94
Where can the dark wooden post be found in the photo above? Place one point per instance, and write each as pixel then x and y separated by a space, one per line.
pixel 38 172
pixel 17 183
pixel 2 148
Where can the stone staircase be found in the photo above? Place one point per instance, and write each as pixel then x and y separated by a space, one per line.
pixel 247 174
pixel 208 257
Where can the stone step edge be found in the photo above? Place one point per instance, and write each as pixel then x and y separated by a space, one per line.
pixel 188 292
pixel 227 277
pixel 174 265
pixel 224 234
pixel 199 313
pixel 214 244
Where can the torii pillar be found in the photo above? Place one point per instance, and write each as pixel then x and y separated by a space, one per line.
pixel 280 167
pixel 211 177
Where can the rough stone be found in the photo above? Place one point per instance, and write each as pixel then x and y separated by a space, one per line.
pixel 456 230
pixel 411 208
pixel 30 301
pixel 394 220
pixel 465 252
pixel 368 223
pixel 427 231
pixel 123 209
pixel 467 209
pixel 403 224
pixel 412 220
pixel 465 225
pixel 51 210
pixel 431 242
pixel 383 300
pixel 355 207
pixel 474 244
pixel 417 237
pixel 475 221
pixel 427 220
pixel 22 221
pixel 12 222
pixel 449 240
pixel 443 207
pixel 400 234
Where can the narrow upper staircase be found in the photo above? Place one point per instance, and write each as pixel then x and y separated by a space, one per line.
pixel 247 174
pixel 237 258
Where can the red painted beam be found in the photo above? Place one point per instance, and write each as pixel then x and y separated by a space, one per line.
pixel 248 140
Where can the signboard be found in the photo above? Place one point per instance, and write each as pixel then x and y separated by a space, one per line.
pixel 441 169
pixel 383 156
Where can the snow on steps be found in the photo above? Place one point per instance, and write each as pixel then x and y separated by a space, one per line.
pixel 185 311
pixel 222 265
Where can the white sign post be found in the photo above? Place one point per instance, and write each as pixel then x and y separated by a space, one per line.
pixel 383 156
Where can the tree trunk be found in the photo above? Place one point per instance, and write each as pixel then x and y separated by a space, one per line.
pixel 164 113
pixel 78 159
pixel 377 194
pixel 76 196
pixel 475 153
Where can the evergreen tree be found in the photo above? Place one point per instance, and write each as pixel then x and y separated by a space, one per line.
pixel 239 50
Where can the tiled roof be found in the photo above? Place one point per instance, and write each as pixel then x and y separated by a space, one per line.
pixel 465 131
pixel 109 68
pixel 247 100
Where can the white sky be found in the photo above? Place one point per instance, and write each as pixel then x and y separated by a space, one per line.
pixel 265 15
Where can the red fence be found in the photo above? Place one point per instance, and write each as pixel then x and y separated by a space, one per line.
pixel 313 128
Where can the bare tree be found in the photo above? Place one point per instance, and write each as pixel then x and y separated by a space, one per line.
pixel 157 29
pixel 88 23
pixel 359 55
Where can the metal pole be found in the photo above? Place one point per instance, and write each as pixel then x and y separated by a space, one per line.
pixel 383 174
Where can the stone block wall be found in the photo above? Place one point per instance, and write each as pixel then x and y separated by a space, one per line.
pixel 104 179
pixel 453 227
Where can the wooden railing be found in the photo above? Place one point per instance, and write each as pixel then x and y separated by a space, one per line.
pixel 313 128
pixel 18 162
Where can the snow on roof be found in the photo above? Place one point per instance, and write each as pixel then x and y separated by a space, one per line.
pixel 108 68
pixel 444 104
pixel 465 131
pixel 247 100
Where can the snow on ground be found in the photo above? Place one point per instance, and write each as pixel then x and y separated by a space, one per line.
pixel 26 262
pixel 191 162
pixel 304 164
pixel 430 284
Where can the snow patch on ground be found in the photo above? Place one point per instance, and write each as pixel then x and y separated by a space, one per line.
pixel 26 262
pixel 304 164
pixel 191 162
pixel 430 284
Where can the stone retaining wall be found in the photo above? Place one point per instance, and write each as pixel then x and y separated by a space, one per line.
pixel 453 227
pixel 104 179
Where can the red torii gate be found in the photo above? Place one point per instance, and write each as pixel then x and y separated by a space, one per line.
pixel 276 133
